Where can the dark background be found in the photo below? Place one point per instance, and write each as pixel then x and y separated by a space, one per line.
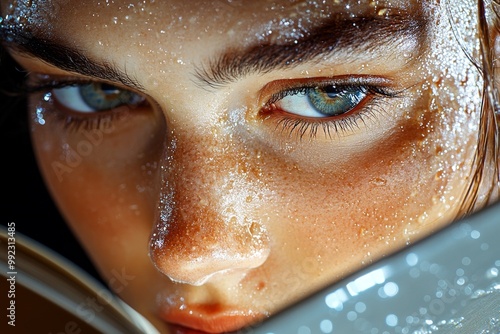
pixel 25 199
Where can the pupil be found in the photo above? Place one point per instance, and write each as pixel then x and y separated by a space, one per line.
pixel 108 89
pixel 332 91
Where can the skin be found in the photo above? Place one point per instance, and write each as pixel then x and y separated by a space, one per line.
pixel 218 216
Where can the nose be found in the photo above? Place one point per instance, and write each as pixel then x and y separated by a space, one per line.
pixel 207 221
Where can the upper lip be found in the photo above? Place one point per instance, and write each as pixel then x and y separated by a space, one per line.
pixel 209 318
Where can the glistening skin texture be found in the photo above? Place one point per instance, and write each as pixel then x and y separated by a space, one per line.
pixel 222 208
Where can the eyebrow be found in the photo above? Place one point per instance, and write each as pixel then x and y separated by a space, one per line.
pixel 63 57
pixel 352 34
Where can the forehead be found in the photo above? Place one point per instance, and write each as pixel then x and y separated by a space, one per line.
pixel 166 33
pixel 154 36
pixel 200 8
pixel 194 19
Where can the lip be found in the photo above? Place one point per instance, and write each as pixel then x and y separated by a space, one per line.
pixel 202 319
pixel 174 329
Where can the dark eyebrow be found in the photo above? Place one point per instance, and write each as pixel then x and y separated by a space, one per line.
pixel 63 57
pixel 358 34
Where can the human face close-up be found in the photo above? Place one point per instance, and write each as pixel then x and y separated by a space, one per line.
pixel 230 157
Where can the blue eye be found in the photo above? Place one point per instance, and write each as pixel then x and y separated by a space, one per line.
pixel 320 102
pixel 95 97
pixel 335 107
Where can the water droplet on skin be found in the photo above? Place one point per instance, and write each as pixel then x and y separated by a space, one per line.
pixel 378 181
pixel 39 117
pixel 382 12
pixel 362 232
pixel 255 229
pixel 422 218
pixel 439 175
pixel 436 199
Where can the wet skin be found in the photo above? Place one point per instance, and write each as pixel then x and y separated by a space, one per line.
pixel 217 197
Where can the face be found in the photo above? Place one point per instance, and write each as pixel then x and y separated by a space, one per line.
pixel 229 157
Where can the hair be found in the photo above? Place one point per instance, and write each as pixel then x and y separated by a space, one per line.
pixel 484 180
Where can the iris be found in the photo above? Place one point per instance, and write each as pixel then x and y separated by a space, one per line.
pixel 334 100
pixel 102 96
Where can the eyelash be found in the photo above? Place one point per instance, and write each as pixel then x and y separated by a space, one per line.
pixel 72 121
pixel 336 125
pixel 296 126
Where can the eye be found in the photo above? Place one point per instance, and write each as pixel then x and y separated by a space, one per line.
pixel 95 97
pixel 335 106
pixel 326 101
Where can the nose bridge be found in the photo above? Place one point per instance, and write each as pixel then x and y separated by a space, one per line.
pixel 206 221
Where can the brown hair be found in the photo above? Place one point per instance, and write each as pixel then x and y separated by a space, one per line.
pixel 484 181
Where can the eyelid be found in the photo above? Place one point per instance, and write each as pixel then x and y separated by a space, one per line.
pixel 38 82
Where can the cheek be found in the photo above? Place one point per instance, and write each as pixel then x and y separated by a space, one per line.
pixel 104 182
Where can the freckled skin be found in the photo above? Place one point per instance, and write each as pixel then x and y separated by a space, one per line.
pixel 222 214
